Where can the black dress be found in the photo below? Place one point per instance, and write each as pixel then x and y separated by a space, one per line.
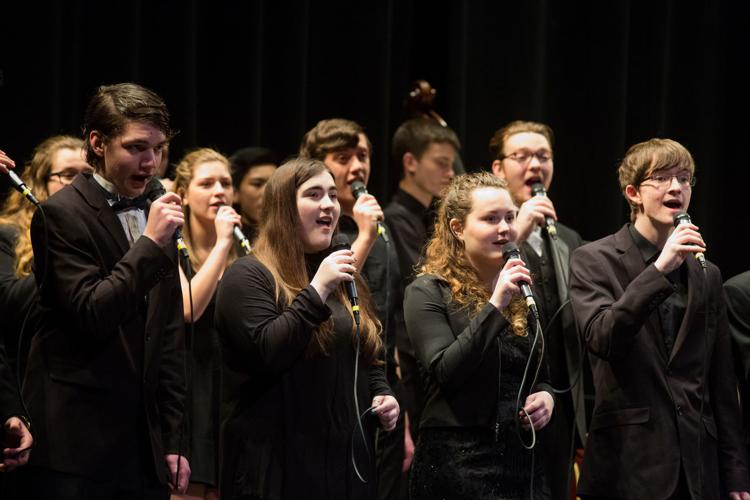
pixel 291 415
pixel 472 366
pixel 205 398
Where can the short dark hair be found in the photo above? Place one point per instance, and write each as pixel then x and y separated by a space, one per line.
pixel 415 136
pixel 331 135
pixel 113 106
pixel 243 160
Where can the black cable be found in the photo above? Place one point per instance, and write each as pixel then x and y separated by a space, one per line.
pixel 701 425
pixel 356 408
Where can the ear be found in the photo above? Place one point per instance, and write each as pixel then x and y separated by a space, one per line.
pixel 497 169
pixel 456 228
pixel 410 163
pixel 96 140
pixel 633 195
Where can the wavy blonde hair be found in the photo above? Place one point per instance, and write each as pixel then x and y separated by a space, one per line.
pixel 280 249
pixel 445 256
pixel 17 212
pixel 183 177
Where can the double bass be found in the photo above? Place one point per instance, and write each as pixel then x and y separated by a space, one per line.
pixel 420 103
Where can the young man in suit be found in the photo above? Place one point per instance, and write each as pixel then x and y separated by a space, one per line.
pixel 105 379
pixel 666 421
pixel 523 157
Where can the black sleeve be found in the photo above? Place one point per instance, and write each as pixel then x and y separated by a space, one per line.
pixel 378 384
pixel 252 325
pixel 610 324
pixel 449 357
pixel 10 400
pixel 737 292
pixel 94 300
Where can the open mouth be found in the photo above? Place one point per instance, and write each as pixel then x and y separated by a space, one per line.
pixel 324 221
pixel 673 204
pixel 500 243
pixel 141 178
pixel 533 180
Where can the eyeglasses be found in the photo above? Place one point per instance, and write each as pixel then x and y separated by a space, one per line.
pixel 65 177
pixel 525 156
pixel 661 180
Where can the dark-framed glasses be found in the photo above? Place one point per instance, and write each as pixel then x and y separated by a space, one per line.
pixel 65 177
pixel 662 180
pixel 526 156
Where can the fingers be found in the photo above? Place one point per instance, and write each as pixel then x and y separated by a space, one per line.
pixel 387 410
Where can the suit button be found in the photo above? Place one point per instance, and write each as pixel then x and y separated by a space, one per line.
pixel 679 410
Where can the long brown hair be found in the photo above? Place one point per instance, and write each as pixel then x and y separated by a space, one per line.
pixel 17 211
pixel 280 249
pixel 183 176
pixel 446 257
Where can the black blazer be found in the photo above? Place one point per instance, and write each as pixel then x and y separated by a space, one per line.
pixel 647 414
pixel 105 374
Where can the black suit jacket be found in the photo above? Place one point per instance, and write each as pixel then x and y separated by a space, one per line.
pixel 105 374
pixel 737 292
pixel 647 415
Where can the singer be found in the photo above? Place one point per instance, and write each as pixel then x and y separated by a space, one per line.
pixel 471 334
pixel 203 181
pixel 524 158
pixel 289 353
pixel 666 422
pixel 105 379
pixel 54 164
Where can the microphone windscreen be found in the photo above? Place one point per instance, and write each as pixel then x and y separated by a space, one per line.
pixel 340 242
pixel 155 189
pixel 358 189
pixel 510 251
pixel 537 189
pixel 681 218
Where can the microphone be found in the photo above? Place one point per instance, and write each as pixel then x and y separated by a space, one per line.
pixel 341 242
pixel 21 186
pixel 154 191
pixel 537 189
pixel 510 251
pixel 242 239
pixel 358 189
pixel 684 218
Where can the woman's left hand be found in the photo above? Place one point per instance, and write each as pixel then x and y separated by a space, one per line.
pixel 539 406
pixel 386 408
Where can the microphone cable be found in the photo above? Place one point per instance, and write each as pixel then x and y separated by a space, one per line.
pixel 359 415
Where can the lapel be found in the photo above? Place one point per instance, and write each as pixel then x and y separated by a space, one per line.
pixel 696 301
pixel 633 265
pixel 95 199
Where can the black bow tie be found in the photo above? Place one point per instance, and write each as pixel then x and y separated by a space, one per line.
pixel 125 204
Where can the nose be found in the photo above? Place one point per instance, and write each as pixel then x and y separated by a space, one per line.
pixel 674 184
pixel 326 203
pixel 150 157
pixel 218 188
pixel 357 168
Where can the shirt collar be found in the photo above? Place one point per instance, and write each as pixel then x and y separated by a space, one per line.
pixel 648 250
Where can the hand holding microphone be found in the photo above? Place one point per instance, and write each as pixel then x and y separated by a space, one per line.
pixel 514 278
pixel 535 212
pixel 337 267
pixel 165 217
pixel 227 225
pixel 367 209
pixel 684 239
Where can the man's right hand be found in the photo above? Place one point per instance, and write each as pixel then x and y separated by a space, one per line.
pixel 685 239
pixel 532 214
pixel 164 217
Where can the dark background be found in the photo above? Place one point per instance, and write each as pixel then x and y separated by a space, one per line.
pixel 603 74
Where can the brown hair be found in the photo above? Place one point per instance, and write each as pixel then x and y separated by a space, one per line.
pixel 183 176
pixel 18 212
pixel 279 248
pixel 113 106
pixel 416 135
pixel 497 142
pixel 643 159
pixel 331 135
pixel 445 256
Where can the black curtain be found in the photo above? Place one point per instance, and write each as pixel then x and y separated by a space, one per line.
pixel 604 75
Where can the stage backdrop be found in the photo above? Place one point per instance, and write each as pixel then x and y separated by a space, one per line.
pixel 604 75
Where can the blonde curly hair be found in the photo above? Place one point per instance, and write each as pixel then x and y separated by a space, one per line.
pixel 446 258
